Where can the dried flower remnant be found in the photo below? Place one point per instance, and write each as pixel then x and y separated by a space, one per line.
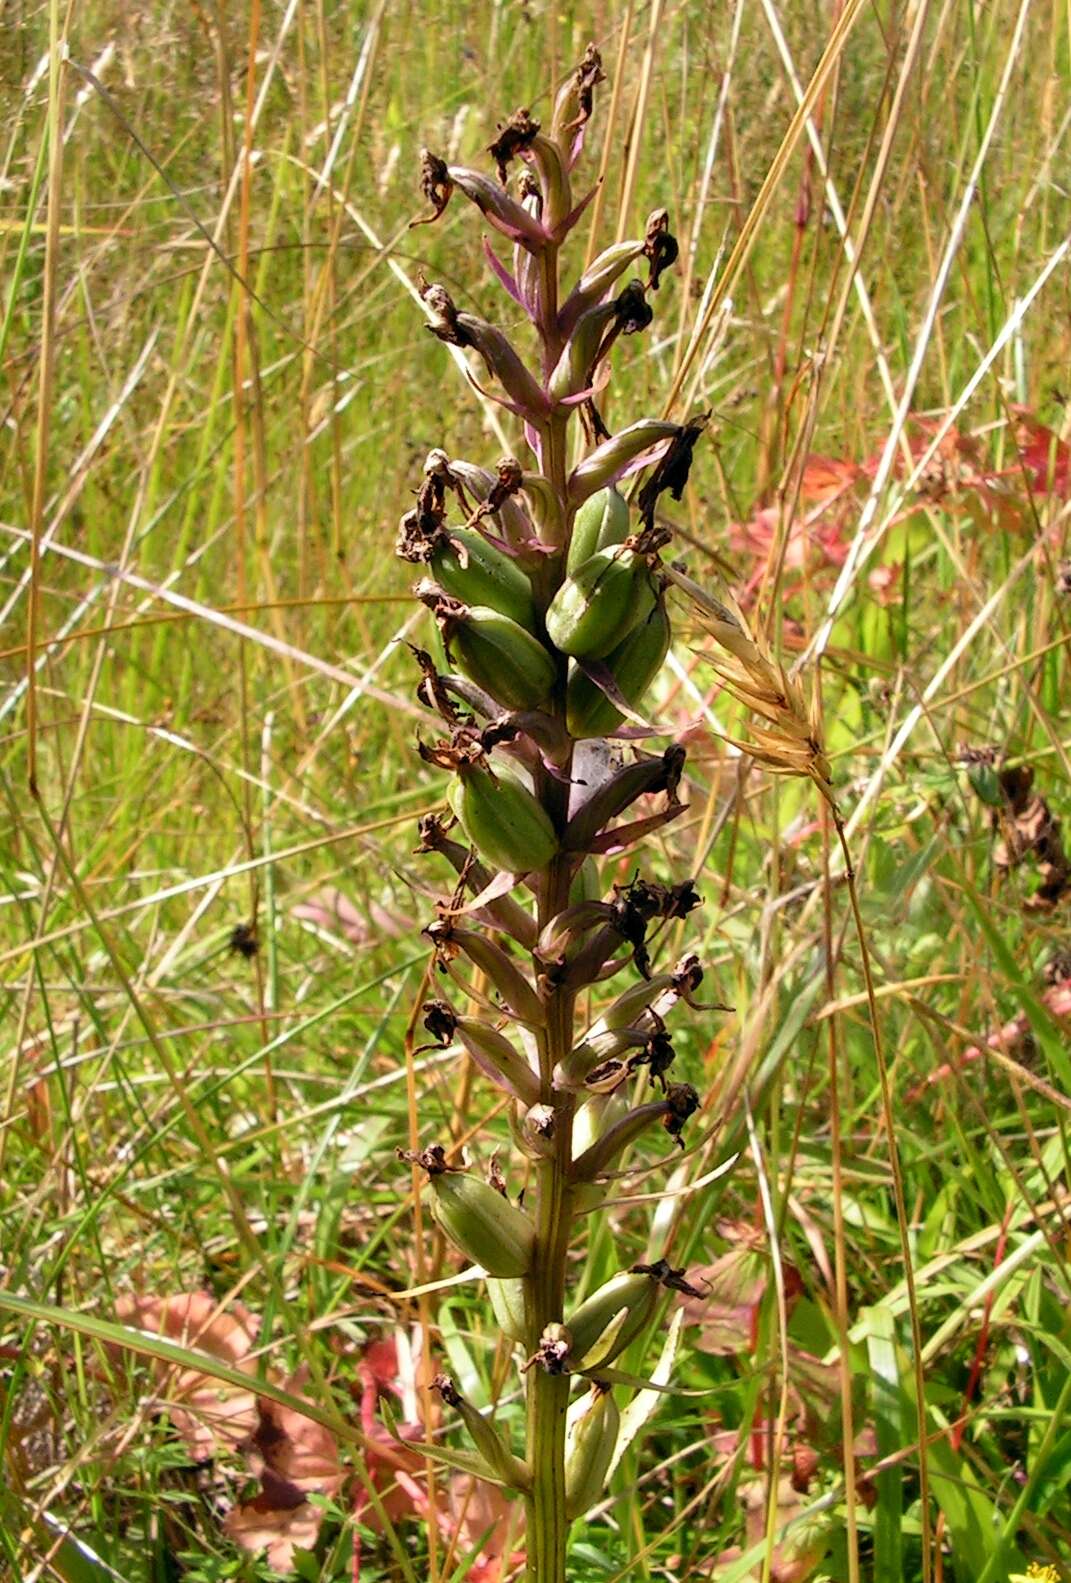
pixel 1024 823
pixel 243 940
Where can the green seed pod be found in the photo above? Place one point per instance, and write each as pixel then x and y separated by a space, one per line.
pixel 598 1046
pixel 599 524
pixel 501 656
pixel 610 1034
pixel 506 824
pixel 498 1059
pixel 599 605
pixel 596 281
pixel 610 459
pixel 586 885
pixel 482 575
pixel 507 1305
pixel 485 1437
pixel 642 778
pixel 679 1103
pixel 610 1320
pixel 486 1227
pixel 592 1428
pixel 516 990
pixel 634 664
pixel 592 1118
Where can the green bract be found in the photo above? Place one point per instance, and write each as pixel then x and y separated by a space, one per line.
pixel 590 1442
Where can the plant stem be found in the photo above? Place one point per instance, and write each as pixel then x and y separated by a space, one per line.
pixel 548 1394
pixel 898 1197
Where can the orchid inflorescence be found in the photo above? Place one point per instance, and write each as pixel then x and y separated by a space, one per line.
pixel 548 591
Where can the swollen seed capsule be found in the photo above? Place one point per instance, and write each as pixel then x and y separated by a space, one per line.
pixel 593 1117
pixel 507 1305
pixel 586 885
pixel 481 575
pixel 502 657
pixel 634 665
pixel 610 1319
pixel 486 1227
pixel 592 1428
pixel 591 1120
pixel 506 824
pixel 599 605
pixel 599 524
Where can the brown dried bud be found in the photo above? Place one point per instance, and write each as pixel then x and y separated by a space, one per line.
pixel 552 1354
pixel 443 316
pixel 632 311
pixel 664 1273
pixel 575 102
pixel 440 1020
pixel 447 1390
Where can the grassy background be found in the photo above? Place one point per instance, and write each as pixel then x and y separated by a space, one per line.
pixel 217 395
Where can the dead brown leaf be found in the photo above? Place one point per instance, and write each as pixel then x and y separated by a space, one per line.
pixel 294 1457
pixel 210 1415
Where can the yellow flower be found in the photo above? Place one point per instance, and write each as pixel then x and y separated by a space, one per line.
pixel 1036 1573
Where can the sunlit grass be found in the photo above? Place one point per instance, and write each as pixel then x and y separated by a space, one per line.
pixel 240 396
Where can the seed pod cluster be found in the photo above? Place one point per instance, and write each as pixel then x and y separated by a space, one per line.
pixel 548 592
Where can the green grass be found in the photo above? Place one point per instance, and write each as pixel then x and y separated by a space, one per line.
pixel 222 388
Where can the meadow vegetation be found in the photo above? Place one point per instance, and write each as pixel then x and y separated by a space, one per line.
pixel 222 1300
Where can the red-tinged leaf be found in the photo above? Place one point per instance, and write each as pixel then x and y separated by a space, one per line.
pixel 620 839
pixel 727 1314
pixel 210 1415
pixel 262 1524
pixel 504 276
pixel 825 476
pixel 297 1450
pixel 379 1363
pixel 797 1554
pixel 294 1457
pixel 563 227
pixel 1046 458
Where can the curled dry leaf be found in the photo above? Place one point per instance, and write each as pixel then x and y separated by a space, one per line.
pixel 733 1288
pixel 210 1415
